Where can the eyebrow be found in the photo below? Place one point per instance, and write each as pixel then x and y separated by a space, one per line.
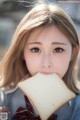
pixel 53 43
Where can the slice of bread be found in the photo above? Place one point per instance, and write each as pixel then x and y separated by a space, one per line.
pixel 47 93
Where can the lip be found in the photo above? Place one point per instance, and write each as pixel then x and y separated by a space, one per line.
pixel 46 73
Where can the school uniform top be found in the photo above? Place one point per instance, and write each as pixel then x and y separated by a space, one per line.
pixel 69 111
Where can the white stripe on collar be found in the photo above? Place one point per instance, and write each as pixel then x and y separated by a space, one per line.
pixel 11 90
pixel 70 103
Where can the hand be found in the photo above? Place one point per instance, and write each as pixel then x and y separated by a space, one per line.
pixel 4 109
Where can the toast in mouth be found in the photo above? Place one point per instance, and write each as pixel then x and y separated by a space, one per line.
pixel 47 93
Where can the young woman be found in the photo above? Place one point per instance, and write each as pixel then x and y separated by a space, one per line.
pixel 45 41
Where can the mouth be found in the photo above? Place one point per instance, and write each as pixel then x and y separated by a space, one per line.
pixel 46 73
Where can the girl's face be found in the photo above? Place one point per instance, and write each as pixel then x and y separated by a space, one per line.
pixel 47 51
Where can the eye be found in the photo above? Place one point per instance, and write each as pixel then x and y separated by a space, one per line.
pixel 35 50
pixel 58 50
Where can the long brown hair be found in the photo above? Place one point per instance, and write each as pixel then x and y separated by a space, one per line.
pixel 13 68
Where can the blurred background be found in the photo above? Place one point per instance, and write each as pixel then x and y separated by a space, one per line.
pixel 12 11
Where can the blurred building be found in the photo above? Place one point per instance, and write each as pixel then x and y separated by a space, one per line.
pixel 12 11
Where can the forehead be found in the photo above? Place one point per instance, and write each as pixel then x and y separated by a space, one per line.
pixel 50 33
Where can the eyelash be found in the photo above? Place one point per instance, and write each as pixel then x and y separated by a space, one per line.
pixel 56 50
pixel 35 50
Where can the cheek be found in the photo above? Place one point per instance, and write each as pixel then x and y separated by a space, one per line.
pixel 61 65
pixel 32 63
pixel 63 68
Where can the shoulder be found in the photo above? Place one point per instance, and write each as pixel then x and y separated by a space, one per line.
pixel 76 101
pixel 14 100
pixel 14 94
pixel 76 108
pixel 11 94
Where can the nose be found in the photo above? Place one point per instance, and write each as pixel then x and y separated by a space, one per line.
pixel 46 62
